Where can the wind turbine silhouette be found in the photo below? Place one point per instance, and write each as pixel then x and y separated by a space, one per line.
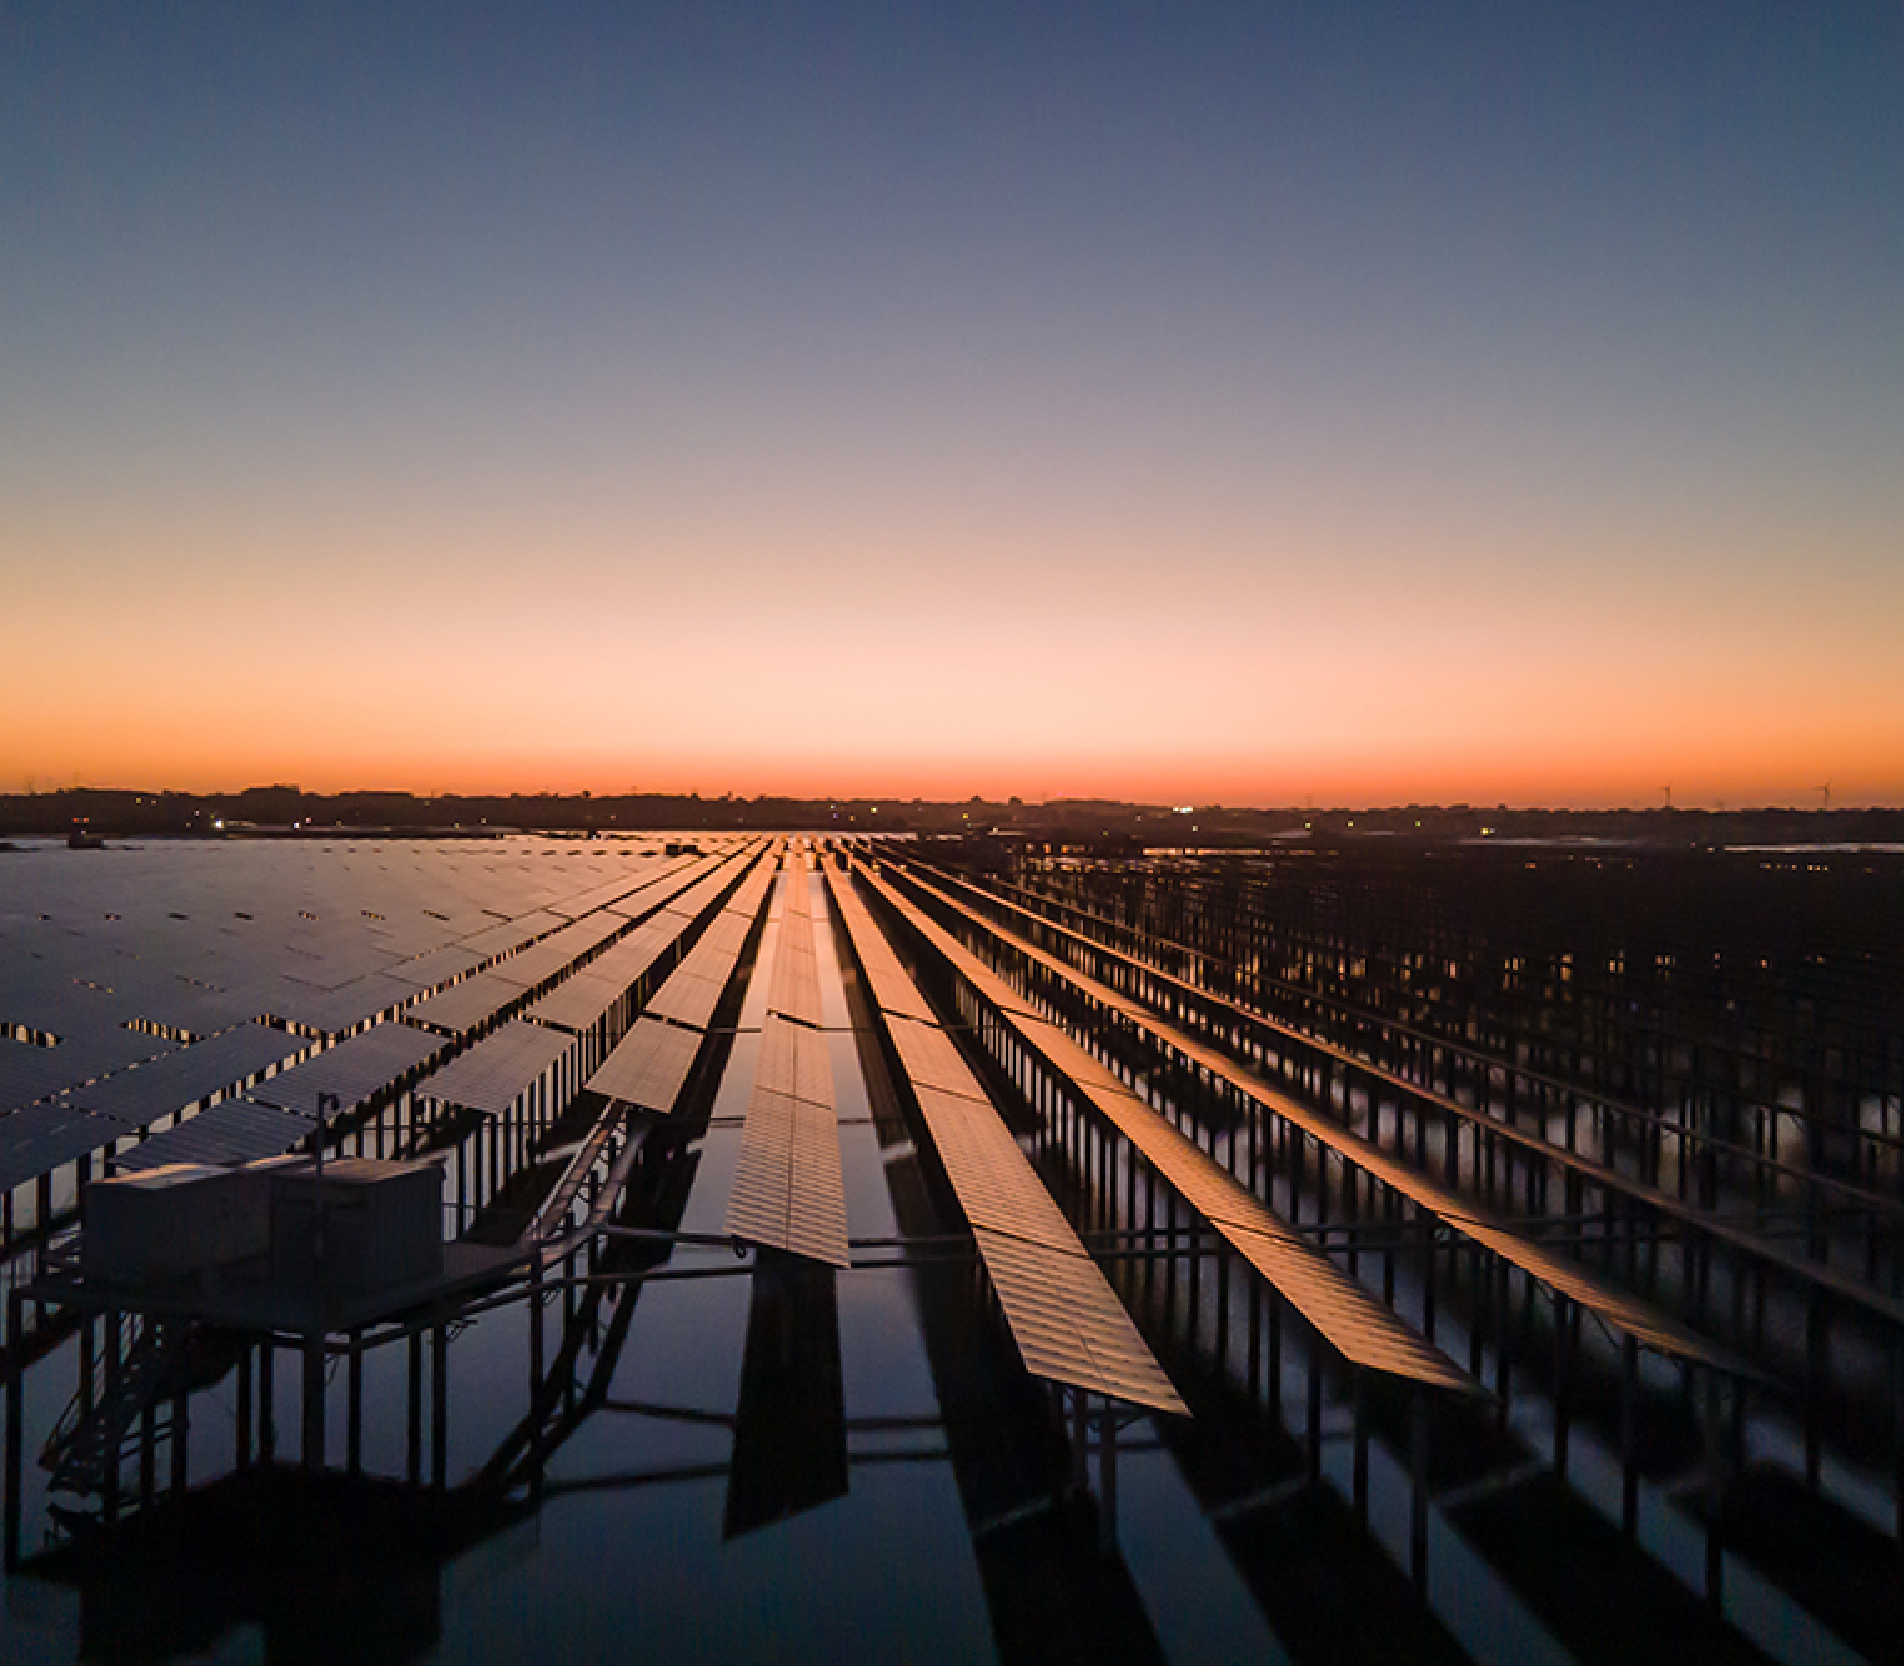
pixel 1826 790
pixel 1668 790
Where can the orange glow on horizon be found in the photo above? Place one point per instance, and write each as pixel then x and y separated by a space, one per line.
pixel 1140 650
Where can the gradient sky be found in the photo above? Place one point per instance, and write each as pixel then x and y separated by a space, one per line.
pixel 1250 403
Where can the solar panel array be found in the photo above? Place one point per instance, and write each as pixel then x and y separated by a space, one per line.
pixel 651 1065
pixel 140 981
pixel 1064 1316
pixel 1354 1322
pixel 581 1001
pixel 788 1193
pixel 1615 1307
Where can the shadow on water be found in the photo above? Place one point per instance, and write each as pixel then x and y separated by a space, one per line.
pixel 1603 1598
pixel 330 1568
pixel 1840 1569
pixel 1326 1587
pixel 790 1432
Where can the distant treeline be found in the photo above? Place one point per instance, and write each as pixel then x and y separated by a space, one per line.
pixel 286 810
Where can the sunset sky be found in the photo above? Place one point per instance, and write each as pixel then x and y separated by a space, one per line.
pixel 1253 403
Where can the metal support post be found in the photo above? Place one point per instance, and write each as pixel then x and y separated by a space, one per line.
pixel 354 1431
pixel 413 1469
pixel 181 1434
pixel 439 1407
pixel 1629 1436
pixel 1360 1487
pixel 16 1372
pixel 243 1437
pixel 313 1352
pixel 1315 1405
pixel 1418 1410
pixel 1563 1366
pixel 1715 1492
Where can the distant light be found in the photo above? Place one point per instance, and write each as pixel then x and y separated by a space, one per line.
pixel 219 826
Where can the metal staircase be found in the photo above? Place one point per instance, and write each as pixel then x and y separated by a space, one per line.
pixel 92 1437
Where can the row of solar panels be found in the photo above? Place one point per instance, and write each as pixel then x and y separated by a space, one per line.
pixel 490 1076
pixel 1355 1323
pixel 788 1191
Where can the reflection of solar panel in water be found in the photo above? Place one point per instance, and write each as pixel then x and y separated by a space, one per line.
pixel 790 1428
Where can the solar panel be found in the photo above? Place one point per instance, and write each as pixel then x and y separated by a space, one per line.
pixel 931 1059
pixel 439 965
pixel 336 1010
pixel 688 998
pixel 41 1138
pixel 787 1188
pixel 795 990
pixel 493 1074
pixel 233 1131
pixel 28 1073
pixel 650 1067
pixel 579 1002
pixel 504 935
pixel 352 1071
pixel 793 1061
pixel 188 1075
pixel 465 1006
pixel 1068 1324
